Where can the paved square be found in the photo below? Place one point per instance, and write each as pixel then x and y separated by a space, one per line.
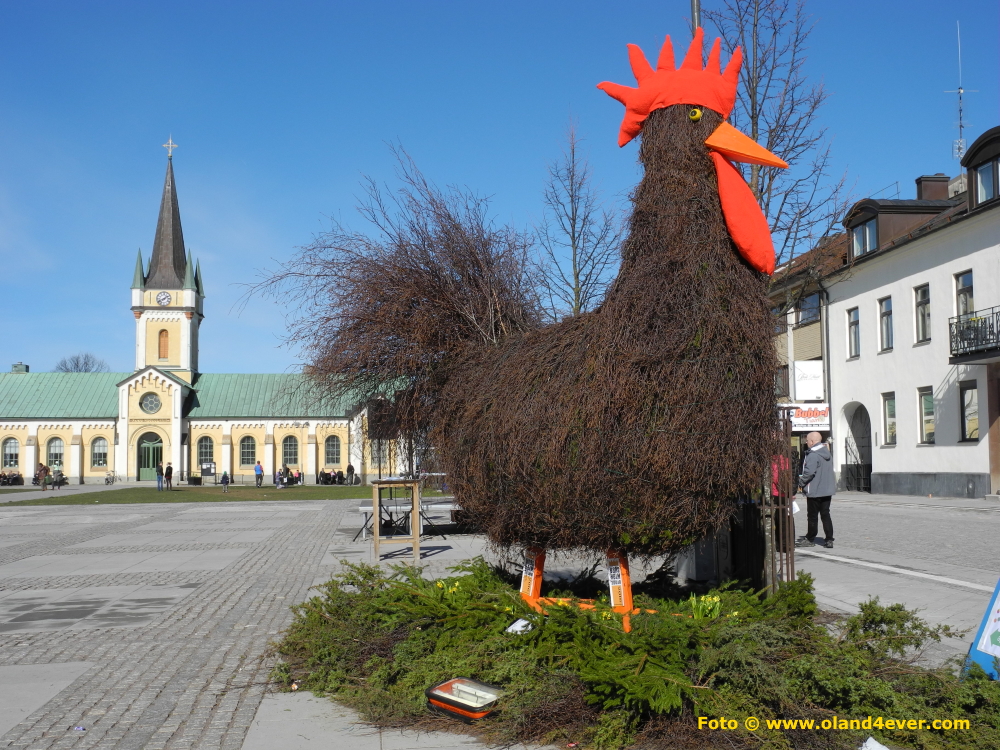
pixel 149 625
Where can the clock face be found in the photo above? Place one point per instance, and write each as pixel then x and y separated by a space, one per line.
pixel 163 298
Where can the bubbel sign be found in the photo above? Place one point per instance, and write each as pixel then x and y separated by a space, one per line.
pixel 810 417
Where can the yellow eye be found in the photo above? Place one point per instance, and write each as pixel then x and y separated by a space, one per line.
pixel 694 115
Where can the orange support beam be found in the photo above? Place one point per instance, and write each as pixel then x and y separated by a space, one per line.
pixel 531 575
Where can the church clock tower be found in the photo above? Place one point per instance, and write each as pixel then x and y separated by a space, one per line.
pixel 168 297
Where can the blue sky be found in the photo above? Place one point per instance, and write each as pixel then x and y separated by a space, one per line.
pixel 281 108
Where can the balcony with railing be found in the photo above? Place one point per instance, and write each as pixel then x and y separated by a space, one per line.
pixel 975 337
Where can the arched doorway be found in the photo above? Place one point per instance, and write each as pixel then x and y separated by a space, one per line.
pixel 858 452
pixel 150 450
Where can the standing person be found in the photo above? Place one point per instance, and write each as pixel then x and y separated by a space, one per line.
pixel 785 520
pixel 225 481
pixel 258 471
pixel 818 482
pixel 40 476
pixel 350 474
pixel 46 476
pixel 159 476
pixel 168 475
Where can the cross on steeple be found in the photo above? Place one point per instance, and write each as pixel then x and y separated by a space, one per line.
pixel 170 146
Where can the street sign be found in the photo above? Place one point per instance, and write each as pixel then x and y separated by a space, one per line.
pixel 985 649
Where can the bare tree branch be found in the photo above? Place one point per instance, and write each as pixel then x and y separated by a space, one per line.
pixel 579 239
pixel 778 107
pixel 83 362
pixel 380 315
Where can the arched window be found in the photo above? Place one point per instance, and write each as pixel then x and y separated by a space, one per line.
pixel 248 451
pixel 164 344
pixel 333 450
pixel 206 450
pixel 290 451
pixel 55 453
pixel 11 451
pixel 98 452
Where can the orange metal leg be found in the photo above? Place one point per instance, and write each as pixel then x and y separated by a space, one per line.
pixel 531 575
pixel 620 585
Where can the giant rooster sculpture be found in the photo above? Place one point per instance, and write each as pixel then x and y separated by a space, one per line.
pixel 635 428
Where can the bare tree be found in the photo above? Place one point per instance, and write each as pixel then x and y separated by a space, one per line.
pixel 381 315
pixel 83 362
pixel 579 238
pixel 779 107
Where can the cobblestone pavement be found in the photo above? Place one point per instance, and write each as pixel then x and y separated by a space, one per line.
pixel 147 626
pixel 170 607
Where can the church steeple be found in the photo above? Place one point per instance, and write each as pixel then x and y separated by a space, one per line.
pixel 168 266
pixel 139 277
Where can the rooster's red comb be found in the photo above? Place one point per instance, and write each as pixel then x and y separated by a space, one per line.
pixel 691 84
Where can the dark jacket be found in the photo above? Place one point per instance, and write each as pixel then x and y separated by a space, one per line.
pixel 168 472
pixel 817 479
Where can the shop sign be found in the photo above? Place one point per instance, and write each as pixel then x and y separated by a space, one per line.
pixel 809 417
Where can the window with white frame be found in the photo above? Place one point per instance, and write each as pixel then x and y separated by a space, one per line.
pixel 11 453
pixel 99 453
pixel 290 451
pixel 853 333
pixel 922 306
pixel 986 186
pixel 248 451
pixel 969 396
pixel 864 238
pixel 54 454
pixel 333 451
pixel 925 406
pixel 206 451
pixel 965 303
pixel 885 324
pixel 889 418
pixel 807 310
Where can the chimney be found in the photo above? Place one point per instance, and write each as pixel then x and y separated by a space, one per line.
pixel 932 187
pixel 19 367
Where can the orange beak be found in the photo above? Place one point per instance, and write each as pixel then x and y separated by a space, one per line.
pixel 732 144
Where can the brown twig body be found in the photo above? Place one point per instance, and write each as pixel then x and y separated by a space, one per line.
pixel 637 426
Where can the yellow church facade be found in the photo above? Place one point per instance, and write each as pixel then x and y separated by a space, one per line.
pixel 167 411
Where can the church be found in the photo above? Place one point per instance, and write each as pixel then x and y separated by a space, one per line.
pixel 166 410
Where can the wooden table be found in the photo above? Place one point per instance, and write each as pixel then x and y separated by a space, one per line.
pixel 413 538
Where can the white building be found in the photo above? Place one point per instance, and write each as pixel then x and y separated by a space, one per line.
pixel 913 337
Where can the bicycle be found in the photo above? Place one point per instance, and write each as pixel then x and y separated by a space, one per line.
pixel 111 477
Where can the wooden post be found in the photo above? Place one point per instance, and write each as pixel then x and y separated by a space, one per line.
pixel 415 526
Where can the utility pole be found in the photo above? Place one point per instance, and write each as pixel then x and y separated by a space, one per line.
pixel 695 15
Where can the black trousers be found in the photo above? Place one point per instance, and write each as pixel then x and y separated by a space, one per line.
pixel 819 507
pixel 260 479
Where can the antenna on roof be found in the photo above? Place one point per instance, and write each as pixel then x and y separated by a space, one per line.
pixel 958 146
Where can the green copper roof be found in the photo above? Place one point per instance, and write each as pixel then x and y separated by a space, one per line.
pixel 94 395
pixel 197 280
pixel 189 273
pixel 283 396
pixel 139 277
pixel 59 395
